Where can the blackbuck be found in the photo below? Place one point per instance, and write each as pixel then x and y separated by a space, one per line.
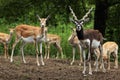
pixel 30 34
pixel 109 48
pixel 74 42
pixel 53 39
pixel 89 38
pixel 5 40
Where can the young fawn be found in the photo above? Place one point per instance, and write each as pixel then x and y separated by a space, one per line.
pixel 55 40
pixel 5 40
pixel 74 42
pixel 109 48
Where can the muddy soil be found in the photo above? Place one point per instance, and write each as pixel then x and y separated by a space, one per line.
pixel 54 69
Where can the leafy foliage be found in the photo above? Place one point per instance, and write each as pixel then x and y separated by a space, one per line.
pixel 15 12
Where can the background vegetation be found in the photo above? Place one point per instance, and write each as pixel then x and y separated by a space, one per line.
pixel 15 12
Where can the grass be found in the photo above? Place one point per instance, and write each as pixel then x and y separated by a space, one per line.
pixel 62 30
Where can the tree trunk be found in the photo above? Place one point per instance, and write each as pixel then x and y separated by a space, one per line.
pixel 101 12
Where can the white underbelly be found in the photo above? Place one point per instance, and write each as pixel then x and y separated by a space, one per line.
pixel 28 39
pixel 95 44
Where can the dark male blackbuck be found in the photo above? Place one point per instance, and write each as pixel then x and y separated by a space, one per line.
pixel 89 38
pixel 31 34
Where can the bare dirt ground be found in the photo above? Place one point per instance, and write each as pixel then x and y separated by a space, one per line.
pixel 54 69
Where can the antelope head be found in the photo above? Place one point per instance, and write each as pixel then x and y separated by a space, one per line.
pixel 43 20
pixel 79 23
pixel 11 30
pixel 73 35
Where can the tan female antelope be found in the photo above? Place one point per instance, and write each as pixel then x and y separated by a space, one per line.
pixel 30 34
pixel 5 40
pixel 88 39
pixel 109 48
pixel 73 40
pixel 55 40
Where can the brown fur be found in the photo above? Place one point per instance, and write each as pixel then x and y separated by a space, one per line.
pixel 27 30
pixel 31 34
pixel 74 42
pixel 53 39
pixel 109 48
pixel 5 39
pixel 93 34
pixel 86 38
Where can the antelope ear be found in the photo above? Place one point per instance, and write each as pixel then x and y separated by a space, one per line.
pixel 38 17
pixel 48 17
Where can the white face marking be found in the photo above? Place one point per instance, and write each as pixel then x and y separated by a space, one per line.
pixel 95 43
pixel 7 39
pixel 43 21
pixel 28 39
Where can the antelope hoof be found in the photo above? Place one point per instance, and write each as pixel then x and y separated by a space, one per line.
pixel 79 64
pixel 11 60
pixel 116 67
pixel 83 72
pixel 8 57
pixel 90 73
pixel 24 62
pixel 62 57
pixel 56 57
pixel 104 70
pixel 84 75
pixel 44 57
pixel 94 64
pixel 96 70
pixel 71 63
pixel 100 66
pixel 108 69
pixel 48 57
pixel 43 63
pixel 38 64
